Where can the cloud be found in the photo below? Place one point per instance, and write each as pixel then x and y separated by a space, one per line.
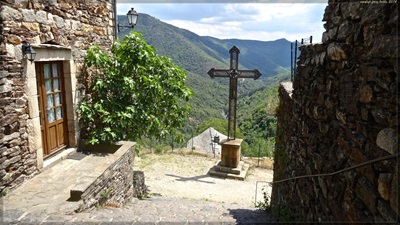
pixel 255 21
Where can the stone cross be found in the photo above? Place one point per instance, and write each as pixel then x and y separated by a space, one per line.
pixel 233 73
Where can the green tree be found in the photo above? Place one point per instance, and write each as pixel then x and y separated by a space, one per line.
pixel 131 93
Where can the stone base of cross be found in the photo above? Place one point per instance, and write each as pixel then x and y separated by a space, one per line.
pixel 230 152
pixel 230 165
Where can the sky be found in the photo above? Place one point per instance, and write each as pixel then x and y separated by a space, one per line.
pixel 265 21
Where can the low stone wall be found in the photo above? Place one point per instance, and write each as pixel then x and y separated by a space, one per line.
pixel 343 112
pixel 115 185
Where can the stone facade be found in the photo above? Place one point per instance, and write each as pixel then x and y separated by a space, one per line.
pixel 59 31
pixel 343 112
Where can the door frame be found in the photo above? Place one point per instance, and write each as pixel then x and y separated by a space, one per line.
pixel 49 53
pixel 48 135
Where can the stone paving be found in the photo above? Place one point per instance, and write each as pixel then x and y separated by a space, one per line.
pixel 44 199
pixel 154 210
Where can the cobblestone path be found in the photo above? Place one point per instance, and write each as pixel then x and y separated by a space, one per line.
pixel 155 210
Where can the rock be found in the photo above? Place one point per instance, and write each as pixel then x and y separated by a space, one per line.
pixel 344 30
pixel 384 183
pixel 10 137
pixel 59 21
pixel 28 15
pixel 31 26
pixel 381 116
pixel 365 93
pixel 335 52
pixel 387 140
pixel 10 13
pixel 139 187
pixel 341 116
pixel 41 17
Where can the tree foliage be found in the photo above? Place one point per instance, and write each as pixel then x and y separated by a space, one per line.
pixel 131 93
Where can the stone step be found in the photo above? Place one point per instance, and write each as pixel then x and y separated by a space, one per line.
pixel 225 169
pixel 216 172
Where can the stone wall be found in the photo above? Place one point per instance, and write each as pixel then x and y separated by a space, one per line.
pixel 343 112
pixel 115 186
pixel 75 25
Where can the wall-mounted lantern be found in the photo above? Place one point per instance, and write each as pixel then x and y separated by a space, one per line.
pixel 132 19
pixel 28 52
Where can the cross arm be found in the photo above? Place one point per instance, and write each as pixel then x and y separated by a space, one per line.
pixel 218 73
pixel 249 74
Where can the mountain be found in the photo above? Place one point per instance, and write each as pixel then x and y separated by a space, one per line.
pixel 198 54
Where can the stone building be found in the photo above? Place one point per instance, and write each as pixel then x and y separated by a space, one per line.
pixel 38 99
pixel 338 121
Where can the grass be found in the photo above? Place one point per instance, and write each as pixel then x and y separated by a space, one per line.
pixel 265 163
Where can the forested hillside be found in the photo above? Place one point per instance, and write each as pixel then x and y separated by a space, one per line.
pixel 198 54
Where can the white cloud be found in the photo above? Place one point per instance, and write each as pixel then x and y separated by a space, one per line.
pixel 255 21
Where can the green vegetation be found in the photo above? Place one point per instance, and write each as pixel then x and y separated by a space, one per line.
pixel 265 204
pixel 104 195
pixel 257 99
pixel 132 93
pixel 280 151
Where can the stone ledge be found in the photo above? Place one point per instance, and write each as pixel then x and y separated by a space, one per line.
pixel 57 158
pixel 111 177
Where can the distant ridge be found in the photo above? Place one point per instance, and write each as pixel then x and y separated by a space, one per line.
pixel 198 54
pixel 270 57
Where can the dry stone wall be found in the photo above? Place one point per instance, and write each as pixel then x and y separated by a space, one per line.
pixel 73 24
pixel 116 185
pixel 343 112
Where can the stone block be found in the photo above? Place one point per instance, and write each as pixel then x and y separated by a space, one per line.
pixel 230 152
pixel 28 15
pixel 139 186
pixel 59 21
pixel 336 52
pixel 11 137
pixel 11 14
pixel 75 25
pixel 387 140
pixel 34 134
pixel 33 106
pixel 31 87
pixel 384 182
pixel 41 17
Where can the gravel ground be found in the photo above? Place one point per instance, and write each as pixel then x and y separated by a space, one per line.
pixel 184 175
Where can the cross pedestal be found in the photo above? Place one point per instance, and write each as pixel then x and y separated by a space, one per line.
pixel 230 152
pixel 230 165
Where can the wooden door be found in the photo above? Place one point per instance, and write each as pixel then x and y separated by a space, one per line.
pixel 51 100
